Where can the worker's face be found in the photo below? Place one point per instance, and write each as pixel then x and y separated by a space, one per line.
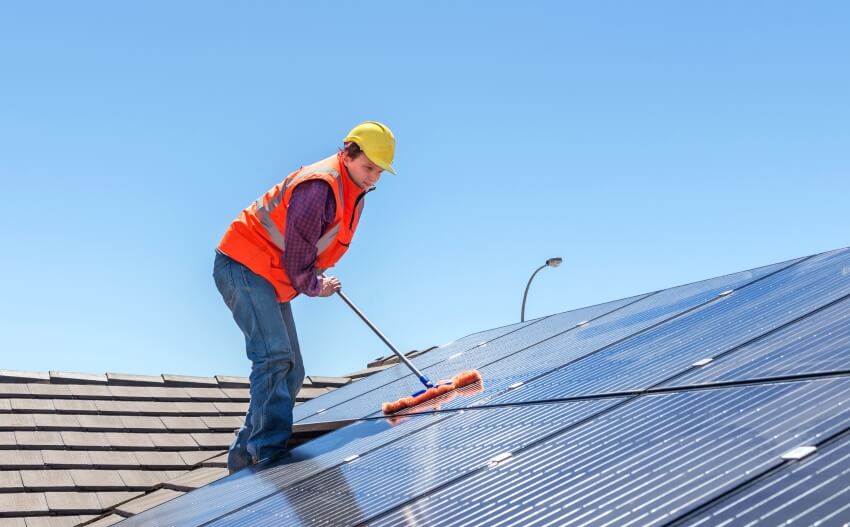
pixel 364 172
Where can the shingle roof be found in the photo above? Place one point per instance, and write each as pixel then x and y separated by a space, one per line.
pixel 78 447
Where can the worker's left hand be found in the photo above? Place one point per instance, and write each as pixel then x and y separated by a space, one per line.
pixel 330 285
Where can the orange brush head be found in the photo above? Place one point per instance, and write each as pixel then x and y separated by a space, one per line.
pixel 465 378
pixel 461 379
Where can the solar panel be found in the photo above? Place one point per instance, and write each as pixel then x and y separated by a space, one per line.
pixel 382 378
pixel 392 475
pixel 543 347
pixel 645 360
pixel 814 490
pixel 816 343
pixel 260 481
pixel 365 480
pixel 646 462
pixel 693 452
pixel 458 359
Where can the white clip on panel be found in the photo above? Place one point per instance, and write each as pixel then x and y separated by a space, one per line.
pixel 501 458
pixel 799 453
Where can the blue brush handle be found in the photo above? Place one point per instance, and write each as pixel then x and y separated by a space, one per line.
pixel 427 382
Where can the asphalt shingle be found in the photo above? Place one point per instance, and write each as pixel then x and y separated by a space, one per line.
pixel 75 406
pixel 39 439
pixel 196 479
pixel 143 479
pixel 67 458
pixel 113 459
pixel 32 405
pixel 10 480
pixel 20 459
pixel 128 440
pixel 106 521
pixel 85 440
pixel 73 502
pixel 79 444
pixel 100 423
pixel 7 440
pixel 184 423
pixel 173 441
pixel 97 479
pixel 42 480
pixel 213 440
pixel 17 422
pixel 56 391
pixel 23 503
pixel 195 457
pixel 147 501
pixel 56 422
pixel 161 460
pixel 111 499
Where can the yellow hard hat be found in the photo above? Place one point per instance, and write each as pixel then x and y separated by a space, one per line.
pixel 377 142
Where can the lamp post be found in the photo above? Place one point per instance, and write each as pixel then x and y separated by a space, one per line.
pixel 551 262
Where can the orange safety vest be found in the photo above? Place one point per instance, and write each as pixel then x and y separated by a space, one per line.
pixel 256 238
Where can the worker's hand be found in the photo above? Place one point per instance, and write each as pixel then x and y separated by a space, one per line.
pixel 330 285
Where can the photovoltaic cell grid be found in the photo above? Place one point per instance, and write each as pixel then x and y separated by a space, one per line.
pixel 338 404
pixel 690 455
pixel 263 480
pixel 645 360
pixel 818 343
pixel 379 379
pixel 419 464
pixel 540 348
pixel 369 403
pixel 815 491
pixel 647 462
pixel 402 457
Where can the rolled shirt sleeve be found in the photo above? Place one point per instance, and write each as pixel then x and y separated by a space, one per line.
pixel 312 208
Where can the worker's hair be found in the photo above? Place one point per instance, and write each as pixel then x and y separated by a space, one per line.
pixel 352 149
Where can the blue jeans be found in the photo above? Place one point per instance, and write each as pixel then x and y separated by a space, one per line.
pixel 277 370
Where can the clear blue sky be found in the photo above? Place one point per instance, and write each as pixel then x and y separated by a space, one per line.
pixel 649 144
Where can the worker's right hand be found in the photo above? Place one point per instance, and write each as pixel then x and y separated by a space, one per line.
pixel 330 285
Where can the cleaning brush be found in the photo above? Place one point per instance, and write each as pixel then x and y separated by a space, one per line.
pixel 431 390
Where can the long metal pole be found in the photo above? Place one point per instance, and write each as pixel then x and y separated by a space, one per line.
pixel 525 295
pixel 422 378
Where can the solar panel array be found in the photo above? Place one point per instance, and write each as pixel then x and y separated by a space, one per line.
pixel 723 402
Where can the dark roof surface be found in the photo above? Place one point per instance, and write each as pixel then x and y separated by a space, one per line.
pixel 77 447
pixel 686 406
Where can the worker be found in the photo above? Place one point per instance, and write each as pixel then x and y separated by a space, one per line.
pixel 280 247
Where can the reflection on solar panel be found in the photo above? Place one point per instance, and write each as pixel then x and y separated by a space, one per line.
pixel 724 402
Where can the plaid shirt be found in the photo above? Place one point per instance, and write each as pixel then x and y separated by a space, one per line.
pixel 312 208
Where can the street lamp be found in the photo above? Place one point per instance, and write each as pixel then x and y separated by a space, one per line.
pixel 551 262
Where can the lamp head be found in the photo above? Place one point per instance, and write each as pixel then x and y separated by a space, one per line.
pixel 554 262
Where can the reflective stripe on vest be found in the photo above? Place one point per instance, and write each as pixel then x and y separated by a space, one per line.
pixel 327 238
pixel 264 212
